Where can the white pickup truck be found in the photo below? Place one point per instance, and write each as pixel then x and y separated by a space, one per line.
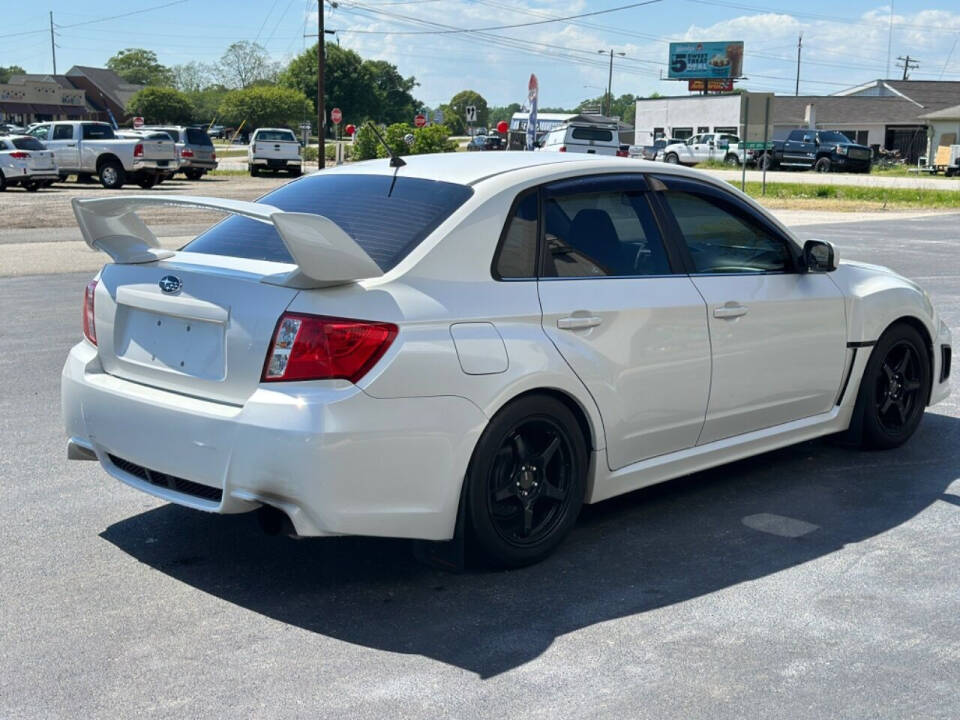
pixel 85 149
pixel 274 149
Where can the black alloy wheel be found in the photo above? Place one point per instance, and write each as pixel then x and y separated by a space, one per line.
pixel 526 481
pixel 895 388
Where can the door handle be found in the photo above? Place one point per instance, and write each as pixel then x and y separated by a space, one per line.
pixel 578 322
pixel 729 310
pixel 72 145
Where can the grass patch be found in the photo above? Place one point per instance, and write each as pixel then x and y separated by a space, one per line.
pixel 854 197
pixel 228 173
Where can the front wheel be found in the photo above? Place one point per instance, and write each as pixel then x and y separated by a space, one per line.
pixel 823 165
pixel 3 182
pixel 732 160
pixel 32 186
pixel 671 158
pixel 894 389
pixel 295 172
pixel 254 171
pixel 526 482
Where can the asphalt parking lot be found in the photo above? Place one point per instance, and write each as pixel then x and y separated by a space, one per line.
pixel 811 582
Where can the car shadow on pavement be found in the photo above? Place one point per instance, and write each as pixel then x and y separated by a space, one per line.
pixel 646 550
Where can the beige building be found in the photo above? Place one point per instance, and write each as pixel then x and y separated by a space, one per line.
pixel 36 98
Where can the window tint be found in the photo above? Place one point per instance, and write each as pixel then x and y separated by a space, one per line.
pixel 198 136
pixel 586 133
pixel 517 257
pixel 610 233
pixel 722 240
pixel 63 132
pixel 171 133
pixel 3 145
pixel 41 131
pixel 28 143
pixel 98 131
pixel 387 225
pixel 275 135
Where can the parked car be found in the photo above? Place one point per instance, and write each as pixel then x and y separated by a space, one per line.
pixel 473 347
pixel 141 133
pixel 274 149
pixel 822 150
pixel 701 148
pixel 582 138
pixel 10 129
pixel 92 148
pixel 485 143
pixel 651 152
pixel 216 131
pixel 24 161
pixel 194 149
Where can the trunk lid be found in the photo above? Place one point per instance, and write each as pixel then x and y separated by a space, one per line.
pixel 276 149
pixel 40 160
pixel 207 339
pixel 159 150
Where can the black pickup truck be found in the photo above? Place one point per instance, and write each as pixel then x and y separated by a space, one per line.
pixel 822 150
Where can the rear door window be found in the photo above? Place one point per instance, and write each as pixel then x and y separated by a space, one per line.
pixel 198 136
pixel 387 219
pixel 98 131
pixel 517 256
pixel 62 132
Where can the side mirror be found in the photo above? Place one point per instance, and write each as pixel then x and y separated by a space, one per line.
pixel 820 256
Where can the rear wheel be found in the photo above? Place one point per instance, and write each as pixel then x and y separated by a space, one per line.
pixel 295 172
pixel 112 176
pixel 732 160
pixel 147 181
pixel 671 158
pixel 823 165
pixel 31 186
pixel 193 174
pixel 3 182
pixel 254 171
pixel 526 482
pixel 895 388
pixel 765 162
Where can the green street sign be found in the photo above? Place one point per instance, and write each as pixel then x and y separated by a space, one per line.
pixel 757 145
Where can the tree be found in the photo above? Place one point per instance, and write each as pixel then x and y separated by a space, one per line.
pixel 365 144
pixel 454 122
pixel 432 139
pixel 505 112
pixel 207 102
pixel 460 101
pixel 139 66
pixel 393 99
pixel 265 107
pixel 8 72
pixel 191 77
pixel 161 105
pixel 244 64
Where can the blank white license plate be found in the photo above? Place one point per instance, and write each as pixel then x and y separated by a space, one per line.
pixel 167 342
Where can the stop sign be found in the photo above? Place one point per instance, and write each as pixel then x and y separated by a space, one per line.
pixel 336 116
pixel 138 122
pixel 350 129
pixel 502 127
pixel 420 121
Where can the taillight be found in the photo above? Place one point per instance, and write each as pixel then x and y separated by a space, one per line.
pixel 138 150
pixel 89 325
pixel 186 152
pixel 254 148
pixel 213 156
pixel 563 148
pixel 20 155
pixel 622 153
pixel 315 347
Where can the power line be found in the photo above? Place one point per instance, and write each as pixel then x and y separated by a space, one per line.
pixel 123 15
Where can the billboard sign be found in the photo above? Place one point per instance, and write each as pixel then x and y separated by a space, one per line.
pixel 705 60
pixel 712 85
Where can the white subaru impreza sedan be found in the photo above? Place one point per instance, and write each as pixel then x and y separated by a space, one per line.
pixel 474 345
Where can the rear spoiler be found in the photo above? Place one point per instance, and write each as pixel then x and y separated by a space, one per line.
pixel 324 253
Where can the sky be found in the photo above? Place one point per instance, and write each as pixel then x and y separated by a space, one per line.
pixel 844 43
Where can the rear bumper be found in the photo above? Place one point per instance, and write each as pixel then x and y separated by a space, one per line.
pixel 336 460
pixel 193 164
pixel 271 162
pixel 140 165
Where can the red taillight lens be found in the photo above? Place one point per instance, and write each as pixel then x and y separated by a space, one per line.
pixel 213 156
pixel 89 326
pixel 315 347
pixel 20 155
pixel 563 148
pixel 622 153
pixel 186 152
pixel 138 150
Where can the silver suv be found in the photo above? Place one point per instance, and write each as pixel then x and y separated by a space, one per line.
pixel 194 149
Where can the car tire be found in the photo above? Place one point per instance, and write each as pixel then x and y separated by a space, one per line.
pixel 894 389
pixel 254 171
pixel 112 176
pixel 31 186
pixel 48 183
pixel 671 158
pixel 731 160
pixel 84 178
pixel 147 181
pixel 823 165
pixel 193 174
pixel 3 182
pixel 765 162
pixel 296 172
pixel 526 482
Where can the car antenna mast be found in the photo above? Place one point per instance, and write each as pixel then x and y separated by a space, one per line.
pixel 395 160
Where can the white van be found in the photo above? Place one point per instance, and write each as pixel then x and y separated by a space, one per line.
pixel 583 138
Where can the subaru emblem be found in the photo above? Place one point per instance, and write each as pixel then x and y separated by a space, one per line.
pixel 170 284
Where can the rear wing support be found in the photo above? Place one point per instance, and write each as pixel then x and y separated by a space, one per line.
pixel 325 255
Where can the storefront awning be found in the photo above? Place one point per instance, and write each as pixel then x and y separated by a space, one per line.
pixel 47 109
pixel 14 107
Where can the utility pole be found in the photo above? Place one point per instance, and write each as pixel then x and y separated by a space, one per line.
pixel 53 45
pixel 610 78
pixel 796 90
pixel 909 64
pixel 321 109
pixel 889 41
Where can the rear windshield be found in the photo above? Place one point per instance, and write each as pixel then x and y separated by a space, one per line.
pixel 584 133
pixel 281 135
pixel 98 131
pixel 198 136
pixel 386 226
pixel 28 143
pixel 171 133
